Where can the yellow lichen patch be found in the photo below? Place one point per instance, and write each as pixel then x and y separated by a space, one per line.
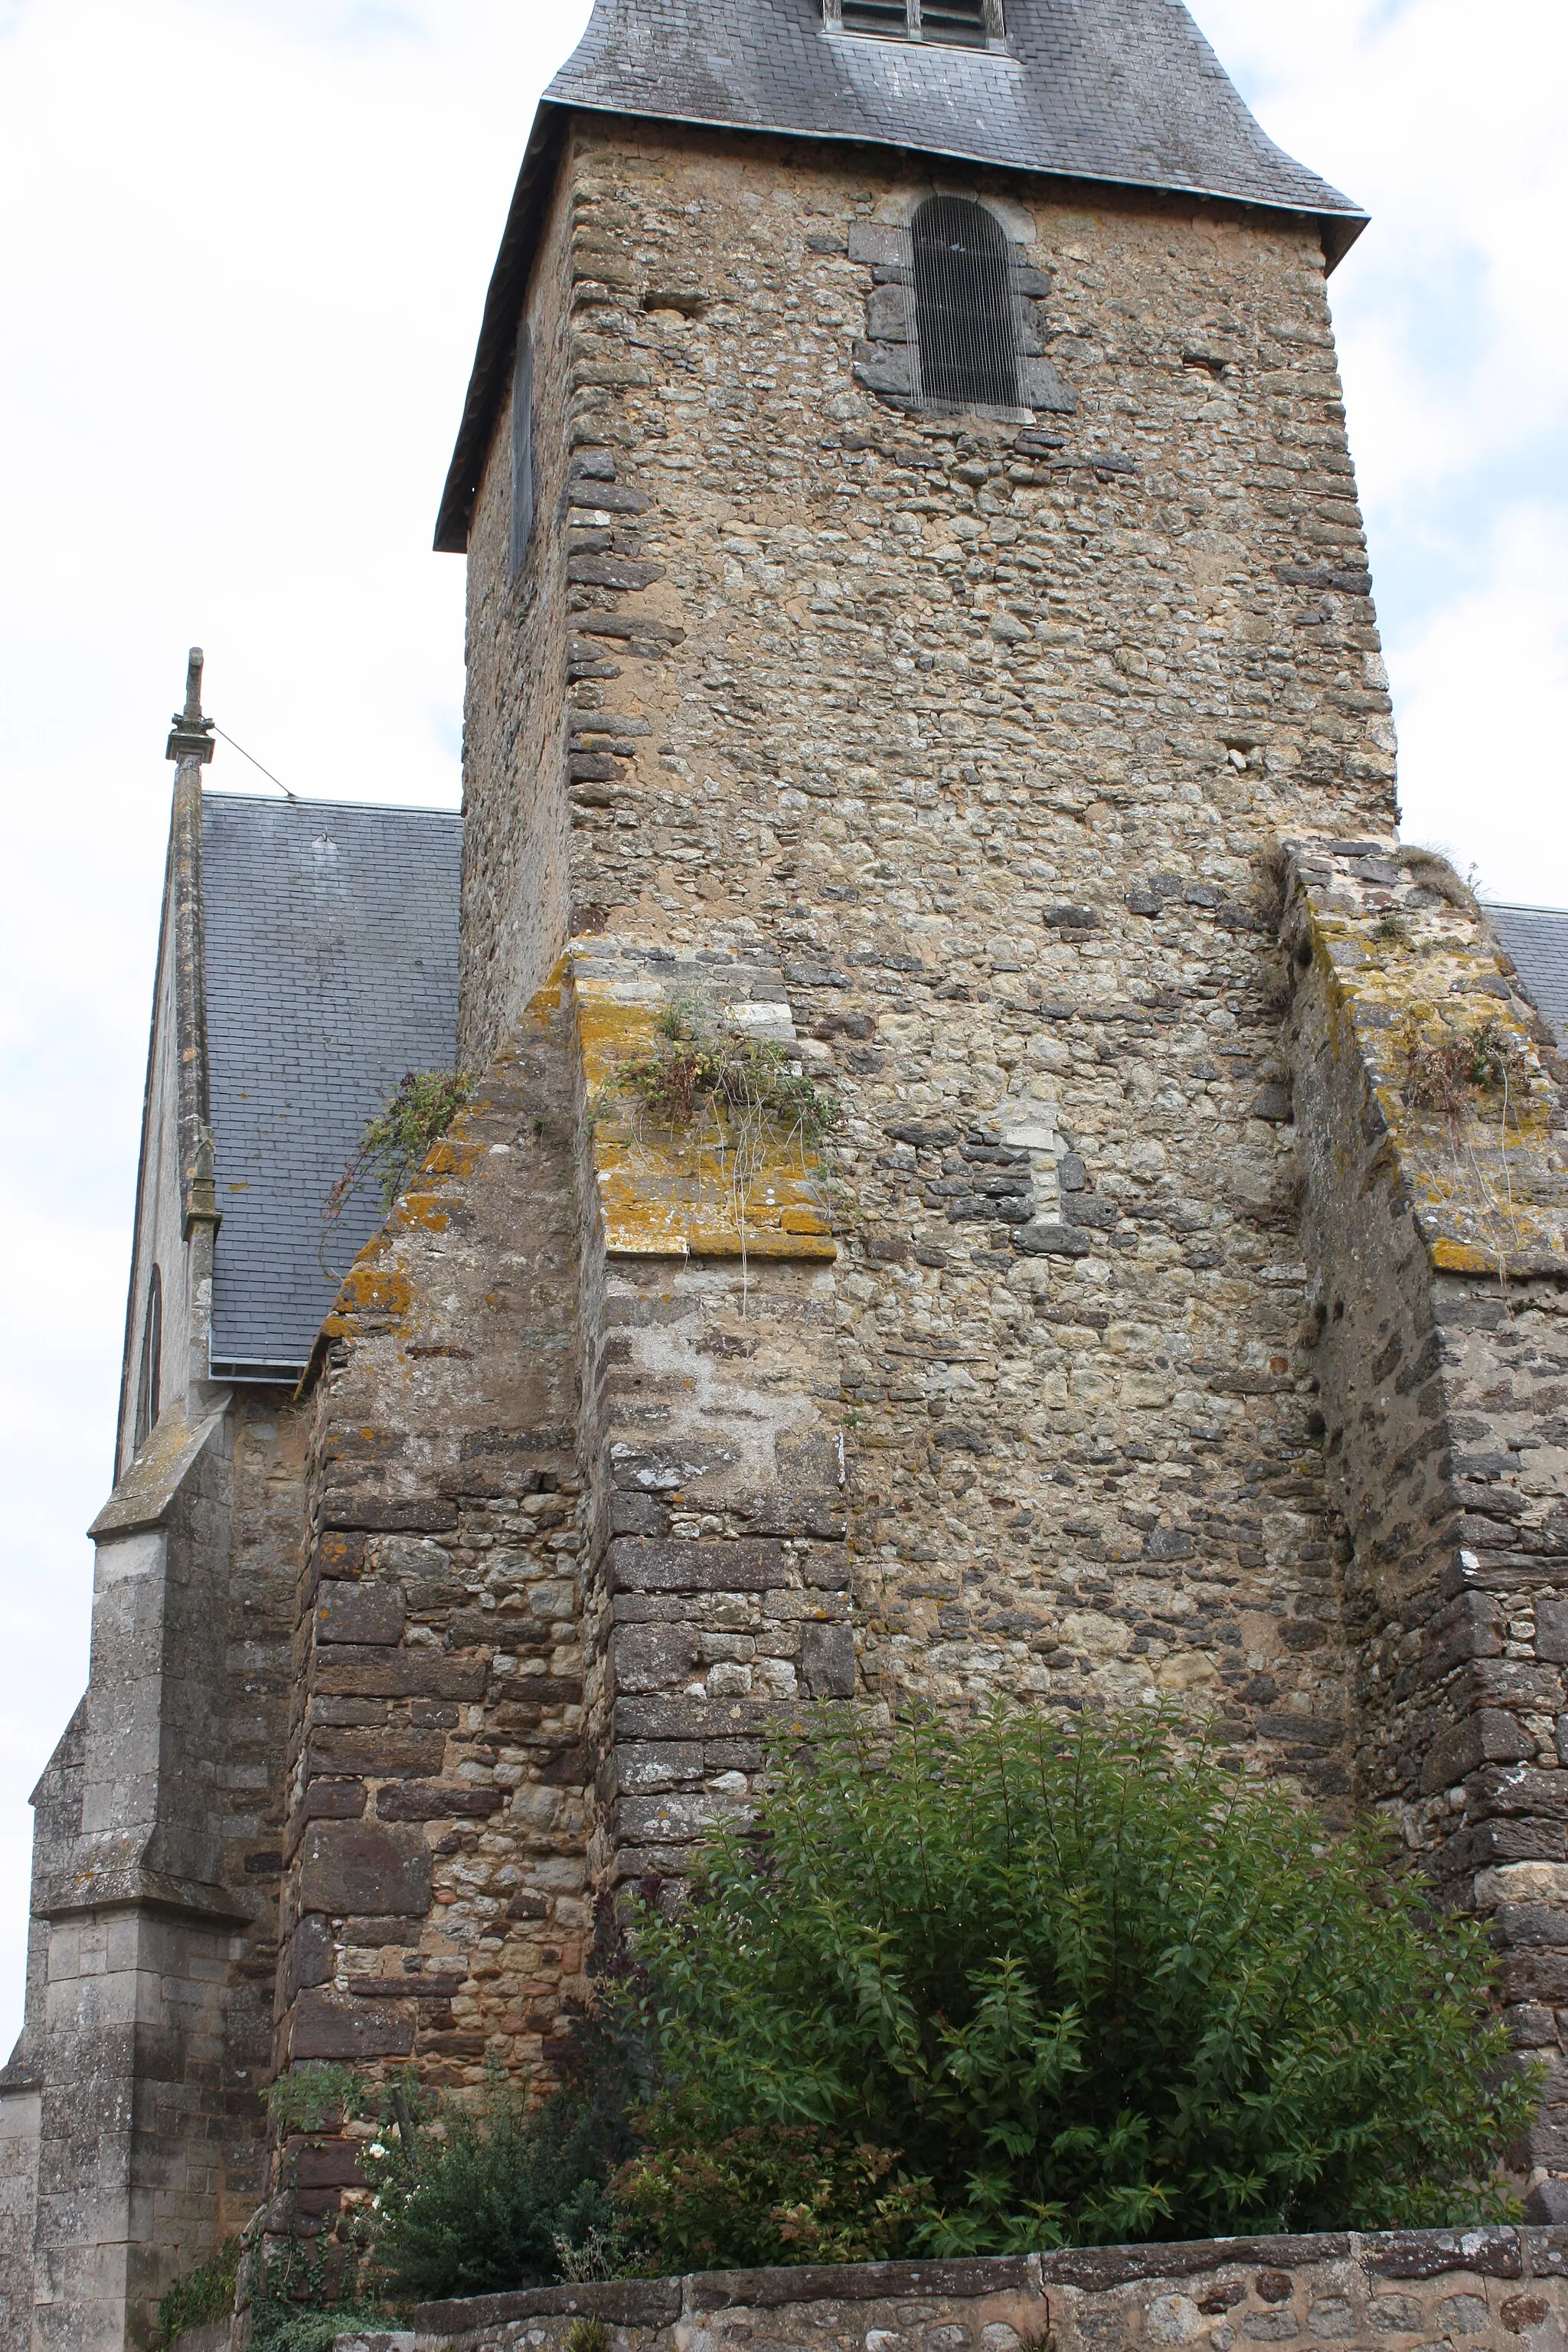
pixel 1484 1171
pixel 453 1156
pixel 422 1212
pixel 372 1290
pixel 709 1191
pixel 1459 1257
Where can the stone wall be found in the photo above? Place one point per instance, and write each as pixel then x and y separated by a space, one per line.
pixel 956 756
pixel 516 877
pixel 1495 2290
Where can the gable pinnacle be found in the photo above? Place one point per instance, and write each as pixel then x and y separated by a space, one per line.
pixel 191 738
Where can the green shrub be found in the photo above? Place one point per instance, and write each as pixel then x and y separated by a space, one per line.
pixel 765 2194
pixel 474 2202
pixel 1065 1989
pixel 204 2293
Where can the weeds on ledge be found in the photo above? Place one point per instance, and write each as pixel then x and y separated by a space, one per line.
pixel 699 1071
pixel 417 1113
pixel 1444 1068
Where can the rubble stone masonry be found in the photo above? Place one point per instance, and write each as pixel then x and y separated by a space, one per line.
pixel 986 732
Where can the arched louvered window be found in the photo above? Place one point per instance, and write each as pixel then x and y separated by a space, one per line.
pixel 964 306
pixel 150 1377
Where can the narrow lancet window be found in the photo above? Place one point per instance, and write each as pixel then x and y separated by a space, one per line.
pixel 522 448
pixel 150 1377
pixel 964 307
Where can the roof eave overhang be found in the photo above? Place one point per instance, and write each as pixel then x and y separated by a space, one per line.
pixel 514 262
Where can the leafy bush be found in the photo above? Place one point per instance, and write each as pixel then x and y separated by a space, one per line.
pixel 765 2194
pixel 1075 1991
pixel 204 2293
pixel 473 2203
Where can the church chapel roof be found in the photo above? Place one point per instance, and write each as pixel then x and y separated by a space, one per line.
pixel 1124 92
pixel 1537 939
pixel 331 967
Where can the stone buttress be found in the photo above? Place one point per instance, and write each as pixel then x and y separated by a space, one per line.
pixel 1436 1247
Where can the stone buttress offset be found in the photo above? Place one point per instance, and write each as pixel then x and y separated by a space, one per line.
pixel 1436 1247
pixel 576 1547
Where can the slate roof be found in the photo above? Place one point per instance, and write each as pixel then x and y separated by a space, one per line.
pixel 1122 91
pixel 1537 939
pixel 331 967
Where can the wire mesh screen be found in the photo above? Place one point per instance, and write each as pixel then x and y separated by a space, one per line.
pixel 964 325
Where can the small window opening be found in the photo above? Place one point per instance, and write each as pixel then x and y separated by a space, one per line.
pixel 523 500
pixel 964 306
pixel 150 1377
pixel 954 24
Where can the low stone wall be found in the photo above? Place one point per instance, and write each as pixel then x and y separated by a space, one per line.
pixel 1408 2291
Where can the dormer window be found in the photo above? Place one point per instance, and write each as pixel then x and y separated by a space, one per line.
pixel 951 23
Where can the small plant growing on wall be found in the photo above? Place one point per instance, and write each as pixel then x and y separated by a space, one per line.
pixel 745 1101
pixel 700 1072
pixel 416 1116
pixel 1446 1069
pixel 203 2294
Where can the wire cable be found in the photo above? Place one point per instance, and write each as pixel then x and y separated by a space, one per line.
pixel 255 763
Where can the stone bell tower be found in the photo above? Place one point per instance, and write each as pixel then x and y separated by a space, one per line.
pixel 918 612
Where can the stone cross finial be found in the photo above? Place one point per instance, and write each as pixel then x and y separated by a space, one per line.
pixel 192 735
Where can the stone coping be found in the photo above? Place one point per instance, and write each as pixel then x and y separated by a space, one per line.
pixel 1495 2252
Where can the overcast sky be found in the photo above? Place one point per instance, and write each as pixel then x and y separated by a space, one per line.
pixel 246 246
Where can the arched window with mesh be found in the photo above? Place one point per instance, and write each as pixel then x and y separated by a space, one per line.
pixel 150 1380
pixel 964 306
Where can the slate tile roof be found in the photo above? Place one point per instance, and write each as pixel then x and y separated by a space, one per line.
pixel 331 967
pixel 1124 91
pixel 1537 939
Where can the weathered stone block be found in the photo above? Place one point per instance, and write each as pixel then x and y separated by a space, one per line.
pixel 379 1755
pixel 653 1657
pixel 335 2025
pixel 360 1613
pixel 827 1661
pixel 1488 1736
pixel 677 1565
pixel 432 1800
pixel 365 1869
pixel 350 1672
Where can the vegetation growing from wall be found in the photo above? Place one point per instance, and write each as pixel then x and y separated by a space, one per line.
pixel 396 1142
pixel 203 2294
pixel 698 1070
pixel 1445 1068
pixel 1018 1985
pixel 969 1990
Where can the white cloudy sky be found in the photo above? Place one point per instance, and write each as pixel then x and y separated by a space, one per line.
pixel 245 244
